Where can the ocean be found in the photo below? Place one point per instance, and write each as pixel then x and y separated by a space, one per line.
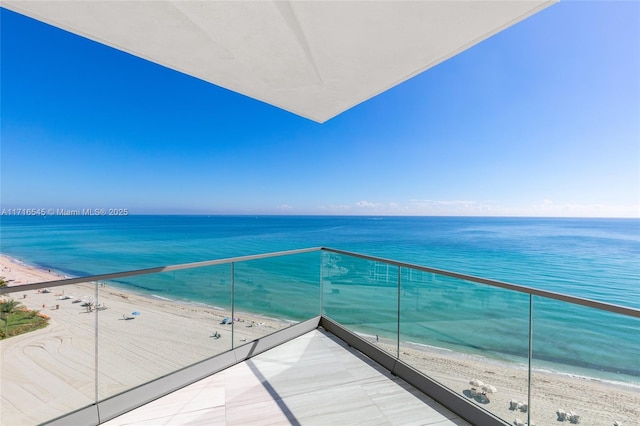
pixel 596 259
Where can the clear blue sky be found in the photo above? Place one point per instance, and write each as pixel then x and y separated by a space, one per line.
pixel 542 119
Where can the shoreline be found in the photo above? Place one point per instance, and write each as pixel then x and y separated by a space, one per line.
pixel 130 354
pixel 631 385
pixel 140 339
pixel 54 275
pixel 31 271
pixel 18 272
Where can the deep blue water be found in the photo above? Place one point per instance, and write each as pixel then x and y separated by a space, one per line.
pixel 590 258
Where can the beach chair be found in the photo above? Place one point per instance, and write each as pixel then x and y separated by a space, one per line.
pixel 562 415
pixel 573 417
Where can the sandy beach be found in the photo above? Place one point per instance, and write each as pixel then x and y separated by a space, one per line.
pixel 49 372
pixel 595 401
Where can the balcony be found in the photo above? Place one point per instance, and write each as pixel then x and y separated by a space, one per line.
pixel 317 336
pixel 313 379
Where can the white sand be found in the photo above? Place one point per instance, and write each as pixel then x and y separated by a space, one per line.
pixel 49 372
pixel 597 402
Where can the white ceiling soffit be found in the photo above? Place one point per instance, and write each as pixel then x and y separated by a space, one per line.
pixel 312 58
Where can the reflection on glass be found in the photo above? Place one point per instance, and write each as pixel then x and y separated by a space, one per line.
pixel 586 365
pixel 274 293
pixel 362 295
pixel 471 338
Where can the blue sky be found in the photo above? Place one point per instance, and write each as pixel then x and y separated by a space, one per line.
pixel 541 119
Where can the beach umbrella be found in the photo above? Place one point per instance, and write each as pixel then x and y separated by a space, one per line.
pixel 477 383
pixel 135 313
pixel 489 389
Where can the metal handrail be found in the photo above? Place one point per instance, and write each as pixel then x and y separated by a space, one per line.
pixel 147 271
pixel 405 371
pixel 619 309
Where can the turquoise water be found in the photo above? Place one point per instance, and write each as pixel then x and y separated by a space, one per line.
pixel 590 258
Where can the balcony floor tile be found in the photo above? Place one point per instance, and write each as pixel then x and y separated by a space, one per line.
pixel 314 379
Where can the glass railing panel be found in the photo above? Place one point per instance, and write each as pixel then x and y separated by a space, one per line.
pixel 48 372
pixel 586 365
pixel 362 295
pixel 274 293
pixel 471 338
pixel 152 325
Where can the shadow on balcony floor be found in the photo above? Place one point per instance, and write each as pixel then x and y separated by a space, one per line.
pixel 315 379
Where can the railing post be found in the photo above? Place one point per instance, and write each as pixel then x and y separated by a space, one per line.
pixel 530 358
pixel 95 364
pixel 398 330
pixel 233 303
pixel 321 281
